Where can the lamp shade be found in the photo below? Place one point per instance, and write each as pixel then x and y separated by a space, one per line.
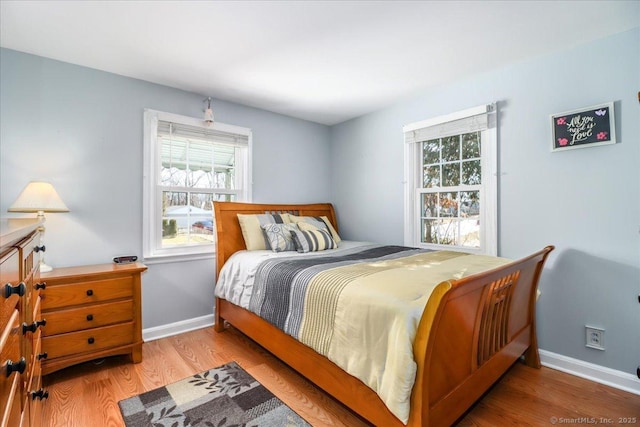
pixel 38 196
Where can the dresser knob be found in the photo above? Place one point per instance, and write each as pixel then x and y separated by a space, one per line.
pixel 43 355
pixel 40 394
pixel 39 249
pixel 42 285
pixel 89 317
pixel 33 327
pixel 89 292
pixel 9 290
pixel 19 367
pixel 91 340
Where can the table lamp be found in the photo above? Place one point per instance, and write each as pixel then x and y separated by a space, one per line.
pixel 39 197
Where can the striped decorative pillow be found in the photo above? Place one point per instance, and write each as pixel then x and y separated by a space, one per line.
pixel 319 222
pixel 254 236
pixel 313 240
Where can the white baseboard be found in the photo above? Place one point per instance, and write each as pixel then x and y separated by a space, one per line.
pixel 600 374
pixel 176 328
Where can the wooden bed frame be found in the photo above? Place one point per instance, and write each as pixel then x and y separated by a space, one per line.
pixel 471 331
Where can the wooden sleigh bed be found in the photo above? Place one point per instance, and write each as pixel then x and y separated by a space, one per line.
pixel 471 331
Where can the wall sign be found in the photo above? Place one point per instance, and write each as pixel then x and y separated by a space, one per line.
pixel 586 127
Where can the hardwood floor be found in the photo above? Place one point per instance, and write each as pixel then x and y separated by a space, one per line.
pixel 87 395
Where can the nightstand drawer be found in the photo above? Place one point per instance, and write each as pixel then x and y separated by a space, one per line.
pixel 92 316
pixel 86 292
pixel 89 340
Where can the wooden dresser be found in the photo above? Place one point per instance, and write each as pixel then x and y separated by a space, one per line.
pixel 21 393
pixel 91 312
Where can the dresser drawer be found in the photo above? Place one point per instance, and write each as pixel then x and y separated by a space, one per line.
pixel 34 361
pixel 9 275
pixel 12 408
pixel 30 272
pixel 87 341
pixel 8 306
pixel 86 292
pixel 9 350
pixel 92 316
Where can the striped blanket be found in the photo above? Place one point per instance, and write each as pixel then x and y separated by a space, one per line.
pixel 360 307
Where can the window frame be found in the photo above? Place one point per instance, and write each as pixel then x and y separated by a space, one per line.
pixel 152 189
pixel 413 167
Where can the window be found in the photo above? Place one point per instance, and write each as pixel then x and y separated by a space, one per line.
pixel 188 165
pixel 451 185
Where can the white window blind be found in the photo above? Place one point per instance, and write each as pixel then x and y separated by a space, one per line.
pixel 472 120
pixel 166 128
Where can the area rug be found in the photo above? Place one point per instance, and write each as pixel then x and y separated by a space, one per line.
pixel 221 397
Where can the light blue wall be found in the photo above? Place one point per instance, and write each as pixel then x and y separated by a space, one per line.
pixel 586 202
pixel 81 129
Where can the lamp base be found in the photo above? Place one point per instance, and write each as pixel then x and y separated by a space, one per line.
pixel 44 268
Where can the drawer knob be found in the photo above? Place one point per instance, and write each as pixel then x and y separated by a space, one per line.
pixel 33 327
pixel 42 285
pixel 40 248
pixel 91 340
pixel 43 355
pixel 89 317
pixel 40 394
pixel 90 292
pixel 19 366
pixel 9 290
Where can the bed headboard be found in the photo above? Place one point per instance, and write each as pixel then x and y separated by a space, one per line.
pixel 229 235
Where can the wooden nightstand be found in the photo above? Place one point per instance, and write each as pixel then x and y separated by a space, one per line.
pixel 91 312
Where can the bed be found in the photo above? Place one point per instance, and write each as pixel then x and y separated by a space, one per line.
pixel 471 330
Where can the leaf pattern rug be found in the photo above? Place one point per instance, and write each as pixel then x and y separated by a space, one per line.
pixel 221 397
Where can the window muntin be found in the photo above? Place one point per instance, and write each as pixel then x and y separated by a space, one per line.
pixel 188 166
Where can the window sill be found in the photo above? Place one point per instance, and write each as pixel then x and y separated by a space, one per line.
pixel 165 259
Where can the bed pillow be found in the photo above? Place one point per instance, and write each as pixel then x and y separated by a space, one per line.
pixel 254 236
pixel 319 222
pixel 279 236
pixel 313 240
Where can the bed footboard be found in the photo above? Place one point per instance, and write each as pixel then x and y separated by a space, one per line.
pixel 471 332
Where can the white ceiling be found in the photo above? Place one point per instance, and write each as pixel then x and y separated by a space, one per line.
pixel 324 61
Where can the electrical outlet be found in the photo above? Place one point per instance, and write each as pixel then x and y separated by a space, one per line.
pixel 595 337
